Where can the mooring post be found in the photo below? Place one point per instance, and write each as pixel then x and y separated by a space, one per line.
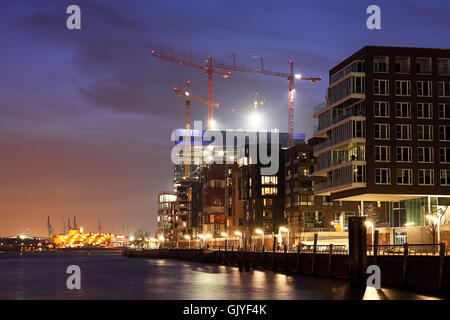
pixel 441 264
pixel 273 253
pixel 357 240
pixel 313 262
pixel 330 262
pixel 263 257
pixel 298 265
pixel 375 247
pixel 405 263
pixel 285 258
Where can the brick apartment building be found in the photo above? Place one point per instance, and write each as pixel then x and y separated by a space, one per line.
pixel 386 125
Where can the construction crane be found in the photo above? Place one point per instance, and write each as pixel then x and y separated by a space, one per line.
pixel 187 145
pixel 210 70
pixel 255 104
pixel 291 76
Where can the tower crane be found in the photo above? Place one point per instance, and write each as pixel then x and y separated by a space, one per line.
pixel 255 104
pixel 291 76
pixel 187 145
pixel 210 70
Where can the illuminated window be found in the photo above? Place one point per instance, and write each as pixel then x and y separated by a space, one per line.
pixel 269 191
pixel 269 180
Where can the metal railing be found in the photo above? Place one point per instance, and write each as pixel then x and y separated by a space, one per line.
pixel 408 249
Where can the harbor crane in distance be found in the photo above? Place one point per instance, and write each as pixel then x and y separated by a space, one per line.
pixel 210 70
pixel 291 77
pixel 187 139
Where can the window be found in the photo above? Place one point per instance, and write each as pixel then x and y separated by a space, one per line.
pixel 403 109
pixel 269 191
pixel 382 176
pixel 426 177
pixel 403 131
pixel 398 214
pixel 423 65
pixel 424 132
pixel 402 87
pixel 382 153
pixel 443 89
pixel 424 110
pixel 404 176
pixel 444 111
pixel 404 154
pixel 424 88
pixel 358 85
pixel 313 220
pixel 380 64
pixel 402 64
pixel 444 155
pixel 268 203
pixel 381 87
pixel 358 129
pixel 306 200
pixel 444 133
pixel 301 156
pixel 444 65
pixel 445 177
pixel 359 174
pixel 381 131
pixel 425 154
pixel 269 180
pixel 381 109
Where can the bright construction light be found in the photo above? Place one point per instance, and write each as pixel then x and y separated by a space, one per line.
pixel 431 218
pixel 238 233
pixel 298 76
pixel 212 124
pixel 255 120
pixel 259 231
pixel 369 224
pixel 187 94
pixel 224 234
pixel 283 229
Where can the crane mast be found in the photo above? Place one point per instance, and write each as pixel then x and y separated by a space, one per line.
pixel 291 77
pixel 209 69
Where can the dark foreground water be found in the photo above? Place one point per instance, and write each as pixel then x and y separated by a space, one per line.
pixel 108 275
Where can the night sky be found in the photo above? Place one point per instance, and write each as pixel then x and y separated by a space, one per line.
pixel 86 116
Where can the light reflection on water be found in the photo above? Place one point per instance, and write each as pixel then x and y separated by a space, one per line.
pixel 111 276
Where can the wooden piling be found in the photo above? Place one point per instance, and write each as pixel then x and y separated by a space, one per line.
pixel 313 262
pixel 330 262
pixel 441 264
pixel 405 263
pixel 298 262
pixel 357 240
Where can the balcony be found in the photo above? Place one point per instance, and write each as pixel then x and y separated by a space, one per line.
pixel 332 163
pixel 344 178
pixel 329 123
pixel 352 130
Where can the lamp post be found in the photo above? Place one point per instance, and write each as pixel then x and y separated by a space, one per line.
pixel 225 235
pixel 370 225
pixel 201 237
pixel 284 229
pixel 209 236
pixel 188 237
pixel 239 234
pixel 261 232
pixel 435 221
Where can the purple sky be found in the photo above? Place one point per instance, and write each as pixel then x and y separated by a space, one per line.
pixel 86 116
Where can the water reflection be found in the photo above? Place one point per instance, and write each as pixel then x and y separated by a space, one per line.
pixel 111 276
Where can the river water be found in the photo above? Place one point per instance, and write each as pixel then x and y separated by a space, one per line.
pixel 108 275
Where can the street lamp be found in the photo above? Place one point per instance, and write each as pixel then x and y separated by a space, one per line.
pixel 201 237
pixel 261 232
pixel 188 237
pixel 370 225
pixel 239 234
pixel 435 221
pixel 208 236
pixel 284 229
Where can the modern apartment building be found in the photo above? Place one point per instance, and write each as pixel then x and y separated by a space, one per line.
pixel 305 211
pixel 186 207
pixel 166 201
pixel 386 125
